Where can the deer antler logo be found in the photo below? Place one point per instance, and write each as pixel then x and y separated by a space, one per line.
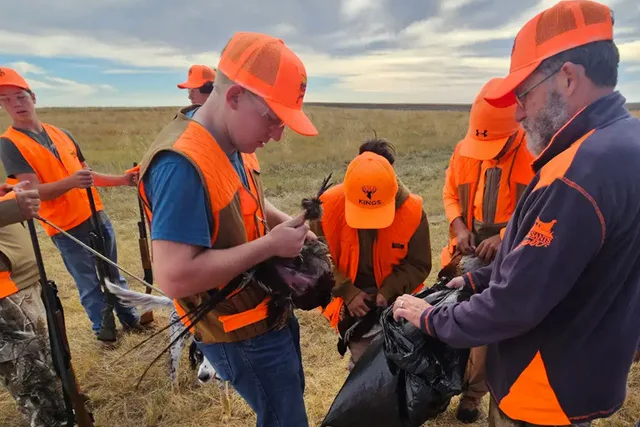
pixel 369 190
pixel 2 73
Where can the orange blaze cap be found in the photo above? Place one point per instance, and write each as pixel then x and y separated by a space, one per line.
pixel 489 127
pixel 198 76
pixel 10 77
pixel 566 25
pixel 370 192
pixel 267 67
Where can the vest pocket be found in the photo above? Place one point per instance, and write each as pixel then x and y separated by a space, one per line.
pixel 492 178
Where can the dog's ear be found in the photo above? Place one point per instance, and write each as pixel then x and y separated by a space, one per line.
pixel 195 355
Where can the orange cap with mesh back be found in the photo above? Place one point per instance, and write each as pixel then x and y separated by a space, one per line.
pixel 198 76
pixel 10 77
pixel 370 187
pixel 267 67
pixel 489 127
pixel 566 25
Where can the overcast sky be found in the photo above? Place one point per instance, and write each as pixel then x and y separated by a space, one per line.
pixel 134 52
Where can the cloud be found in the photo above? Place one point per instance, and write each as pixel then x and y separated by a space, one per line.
pixel 133 71
pixel 26 68
pixel 361 50
pixel 48 83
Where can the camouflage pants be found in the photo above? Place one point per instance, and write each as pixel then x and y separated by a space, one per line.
pixel 26 369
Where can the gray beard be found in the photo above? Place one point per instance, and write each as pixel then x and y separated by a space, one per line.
pixel 541 129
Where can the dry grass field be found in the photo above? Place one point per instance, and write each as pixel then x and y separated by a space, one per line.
pixel 112 139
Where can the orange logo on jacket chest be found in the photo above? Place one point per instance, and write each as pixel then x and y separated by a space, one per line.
pixel 540 234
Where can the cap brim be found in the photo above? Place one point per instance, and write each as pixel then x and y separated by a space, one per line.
pixel 296 119
pixel 187 85
pixel 482 149
pixel 367 218
pixel 15 84
pixel 503 95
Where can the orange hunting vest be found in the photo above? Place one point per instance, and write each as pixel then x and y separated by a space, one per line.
pixel 7 286
pixel 390 247
pixel 485 192
pixel 225 191
pixel 72 208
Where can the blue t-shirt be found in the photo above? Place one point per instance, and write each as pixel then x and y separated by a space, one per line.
pixel 181 214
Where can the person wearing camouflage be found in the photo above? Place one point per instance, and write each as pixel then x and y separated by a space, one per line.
pixel 26 368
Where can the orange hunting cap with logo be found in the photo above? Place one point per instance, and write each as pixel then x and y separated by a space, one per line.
pixel 198 76
pixel 265 66
pixel 566 25
pixel 370 187
pixel 489 127
pixel 10 77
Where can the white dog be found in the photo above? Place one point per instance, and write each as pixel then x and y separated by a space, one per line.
pixel 145 302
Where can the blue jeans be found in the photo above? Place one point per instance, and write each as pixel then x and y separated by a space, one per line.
pixel 267 372
pixel 80 263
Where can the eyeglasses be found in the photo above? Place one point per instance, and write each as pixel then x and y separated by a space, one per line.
pixel 20 97
pixel 520 97
pixel 267 113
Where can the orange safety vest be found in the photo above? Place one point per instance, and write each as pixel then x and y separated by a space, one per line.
pixel 223 187
pixel 390 247
pixel 464 190
pixel 7 286
pixel 71 208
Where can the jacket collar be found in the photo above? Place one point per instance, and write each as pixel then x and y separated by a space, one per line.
pixel 402 194
pixel 598 114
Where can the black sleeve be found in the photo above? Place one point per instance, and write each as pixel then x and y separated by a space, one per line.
pixel 12 159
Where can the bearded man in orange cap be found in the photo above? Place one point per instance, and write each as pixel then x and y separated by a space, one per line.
pixel 487 175
pixel 559 307
pixel 378 236
pixel 199 83
pixel 201 183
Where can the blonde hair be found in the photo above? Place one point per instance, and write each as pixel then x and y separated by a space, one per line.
pixel 221 82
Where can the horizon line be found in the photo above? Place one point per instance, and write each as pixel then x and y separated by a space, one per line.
pixel 415 106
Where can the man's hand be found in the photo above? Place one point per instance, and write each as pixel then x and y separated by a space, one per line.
pixel 287 238
pixel 357 306
pixel 28 200
pixel 465 241
pixel 131 178
pixel 410 308
pixel 488 248
pixel 455 283
pixel 81 179
pixel 381 301
pixel 5 189
pixel 310 236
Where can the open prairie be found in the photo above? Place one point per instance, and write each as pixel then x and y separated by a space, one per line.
pixel 112 139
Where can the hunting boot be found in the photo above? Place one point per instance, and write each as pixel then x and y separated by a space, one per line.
pixel 468 409
pixel 107 333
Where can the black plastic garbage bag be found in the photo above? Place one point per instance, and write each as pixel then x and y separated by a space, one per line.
pixel 404 378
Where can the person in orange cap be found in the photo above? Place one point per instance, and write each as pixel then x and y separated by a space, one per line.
pixel 559 307
pixel 487 174
pixel 378 236
pixel 51 159
pixel 199 84
pixel 201 183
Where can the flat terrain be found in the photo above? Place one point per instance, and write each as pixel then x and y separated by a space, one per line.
pixel 112 139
